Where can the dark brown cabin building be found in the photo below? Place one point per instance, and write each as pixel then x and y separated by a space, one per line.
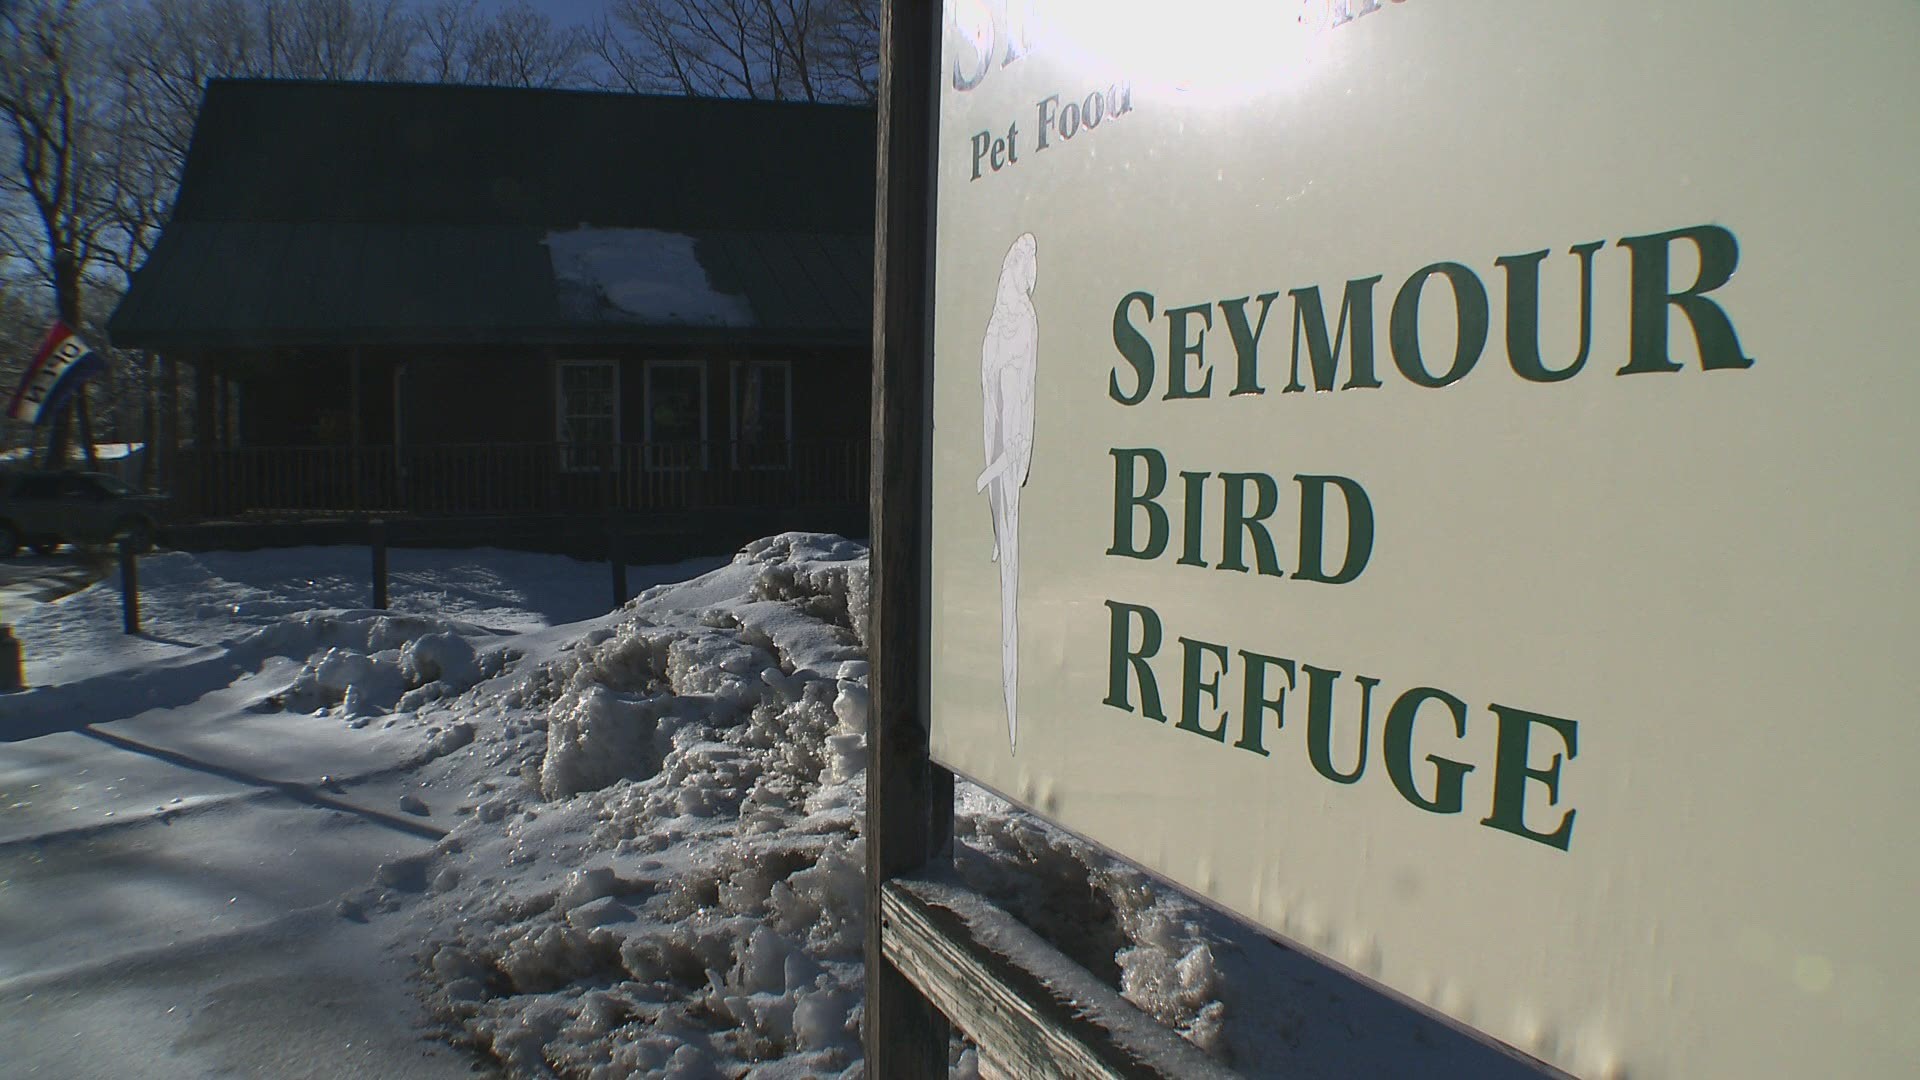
pixel 428 299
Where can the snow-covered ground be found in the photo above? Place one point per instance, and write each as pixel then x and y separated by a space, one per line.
pixel 283 835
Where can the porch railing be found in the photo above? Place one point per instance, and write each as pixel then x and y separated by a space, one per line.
pixel 513 478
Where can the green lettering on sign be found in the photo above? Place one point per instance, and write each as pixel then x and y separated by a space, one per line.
pixel 1511 773
pixel 1126 500
pixel 1123 659
pixel 1712 329
pixel 1397 743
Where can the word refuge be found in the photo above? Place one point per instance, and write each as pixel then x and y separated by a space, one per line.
pixel 1187 365
pixel 1243 699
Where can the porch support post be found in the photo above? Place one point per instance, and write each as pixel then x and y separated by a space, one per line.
pixel 202 401
pixel 358 436
pixel 203 391
pixel 169 478
pixel 399 441
pixel 149 421
pixel 547 470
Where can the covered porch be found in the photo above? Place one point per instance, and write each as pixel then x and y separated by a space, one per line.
pixel 274 482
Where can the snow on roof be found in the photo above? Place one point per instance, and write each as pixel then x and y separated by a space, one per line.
pixel 639 275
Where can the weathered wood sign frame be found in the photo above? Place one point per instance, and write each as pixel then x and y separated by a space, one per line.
pixel 934 951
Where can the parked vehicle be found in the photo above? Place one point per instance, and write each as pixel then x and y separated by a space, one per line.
pixel 44 509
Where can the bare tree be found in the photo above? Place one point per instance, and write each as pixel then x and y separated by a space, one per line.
pixel 808 50
pixel 446 33
pixel 170 48
pixel 522 47
pixel 518 46
pixel 23 318
pixel 336 39
pixel 848 51
pixel 59 109
pixel 165 51
pixel 98 100
pixel 58 129
pixel 97 105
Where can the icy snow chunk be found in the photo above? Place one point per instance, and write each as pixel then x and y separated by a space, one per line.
pixel 802 547
pixel 589 884
pixel 820 1019
pixel 602 912
pixel 442 657
pixel 826 902
pixel 596 737
pixel 764 965
pixel 408 873
pixel 551 956
pixel 846 757
pixel 453 962
pixel 635 661
pixel 453 737
pixel 850 704
pixel 360 684
pixel 687 1064
pixel 414 804
pixel 340 669
pixel 717 665
pixel 789 686
pixel 800 970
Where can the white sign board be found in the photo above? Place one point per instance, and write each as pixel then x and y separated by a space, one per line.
pixel 1439 479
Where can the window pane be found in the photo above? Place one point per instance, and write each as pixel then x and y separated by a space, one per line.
pixel 576 377
pixel 750 404
pixel 590 403
pixel 588 407
pixel 760 409
pixel 673 404
pixel 588 430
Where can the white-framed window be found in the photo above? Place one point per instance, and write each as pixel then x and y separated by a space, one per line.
pixel 761 414
pixel 676 414
pixel 587 412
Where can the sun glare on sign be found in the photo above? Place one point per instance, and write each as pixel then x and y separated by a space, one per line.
pixel 1272 49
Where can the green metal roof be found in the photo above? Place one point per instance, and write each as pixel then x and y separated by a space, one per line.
pixel 317 213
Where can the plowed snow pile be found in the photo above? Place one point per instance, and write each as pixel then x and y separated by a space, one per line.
pixel 658 870
pixel 661 870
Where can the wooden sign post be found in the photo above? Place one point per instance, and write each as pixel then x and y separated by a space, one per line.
pixel 906 1037
pixel 927 937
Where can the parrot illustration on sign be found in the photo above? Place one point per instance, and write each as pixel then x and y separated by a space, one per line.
pixel 1009 363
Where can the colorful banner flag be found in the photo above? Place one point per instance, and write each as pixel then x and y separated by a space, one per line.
pixel 62 363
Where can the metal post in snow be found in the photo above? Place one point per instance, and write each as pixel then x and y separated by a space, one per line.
pixel 12 671
pixel 617 557
pixel 129 587
pixel 379 529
